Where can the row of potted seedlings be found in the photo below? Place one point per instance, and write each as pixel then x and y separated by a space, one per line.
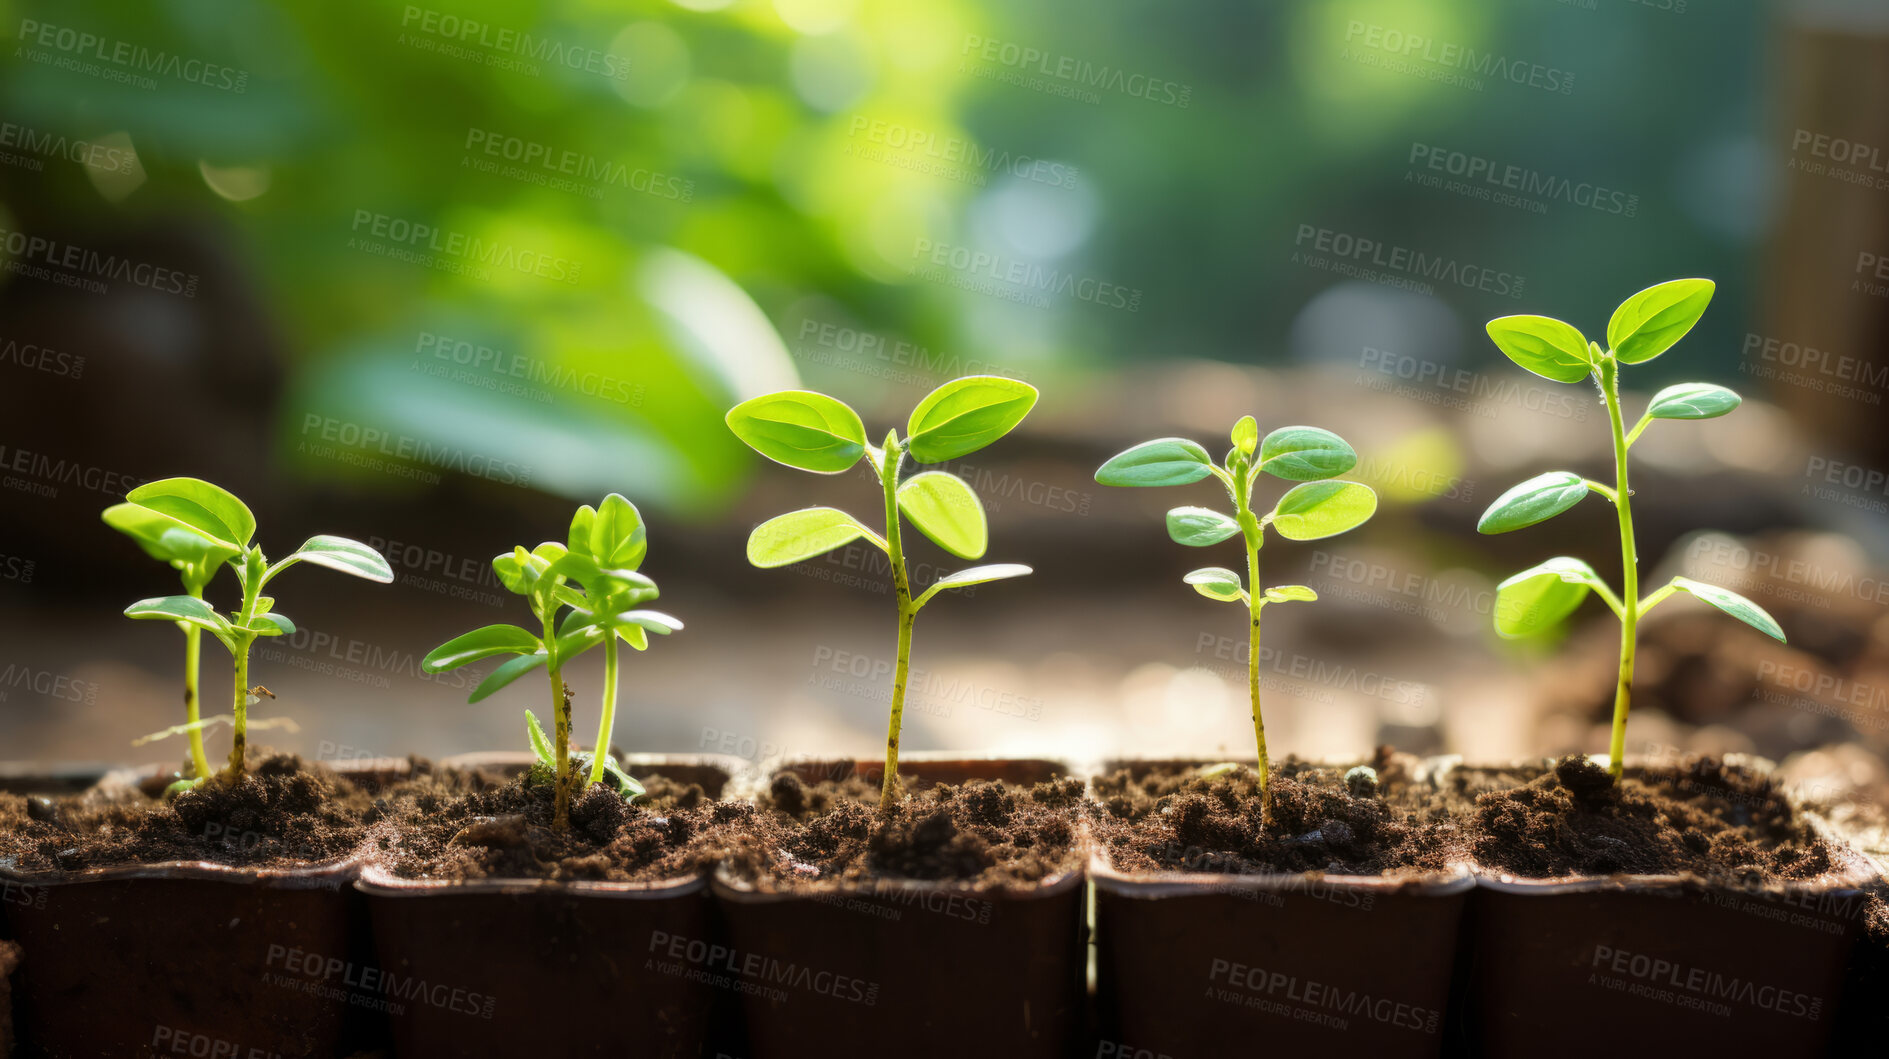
pixel 563 900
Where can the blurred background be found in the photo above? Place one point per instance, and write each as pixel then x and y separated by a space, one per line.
pixel 430 274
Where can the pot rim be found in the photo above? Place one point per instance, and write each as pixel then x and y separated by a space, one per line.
pixel 376 881
pixel 1460 877
pixel 727 885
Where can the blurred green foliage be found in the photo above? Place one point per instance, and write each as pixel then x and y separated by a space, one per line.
pixel 615 198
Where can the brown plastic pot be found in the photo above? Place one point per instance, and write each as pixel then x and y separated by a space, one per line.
pixel 1191 965
pixel 942 969
pixel 535 967
pixel 189 956
pixel 1669 963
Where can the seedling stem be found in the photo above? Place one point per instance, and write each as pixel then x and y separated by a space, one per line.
pixel 890 790
pixel 1629 564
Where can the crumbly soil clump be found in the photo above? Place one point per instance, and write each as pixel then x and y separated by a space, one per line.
pixel 460 826
pixel 1699 817
pixel 990 834
pixel 284 813
pixel 1211 820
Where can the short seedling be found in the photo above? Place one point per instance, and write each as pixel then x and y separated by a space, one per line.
pixel 197 528
pixel 1643 327
pixel 1313 509
pixel 594 575
pixel 816 433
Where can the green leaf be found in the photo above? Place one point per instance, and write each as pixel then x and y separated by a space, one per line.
pixel 653 620
pixel 965 415
pixel 340 553
pixel 480 643
pixel 516 570
pixel 1692 400
pixel 1544 345
pixel 1216 582
pixel 211 510
pixel 272 624
pixel 1198 527
pixel 167 539
pixel 1734 604
pixel 548 582
pixel 575 566
pixel 973 575
pixel 801 429
pixel 1536 500
pixel 1305 454
pixel 1246 434
pixel 582 520
pixel 803 534
pixel 1648 323
pixel 1540 596
pixel 1322 509
pixel 540 743
pixel 576 641
pixel 1289 594
pixel 506 673
pixel 945 509
pixel 618 538
pixel 1163 461
pixel 626 784
pixel 187 609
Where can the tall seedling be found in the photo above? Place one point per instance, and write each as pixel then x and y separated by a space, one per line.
pixel 592 580
pixel 1643 327
pixel 197 528
pixel 1313 509
pixel 814 432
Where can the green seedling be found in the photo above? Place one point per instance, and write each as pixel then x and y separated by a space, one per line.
pixel 1316 507
pixel 814 432
pixel 197 528
pixel 592 580
pixel 1643 327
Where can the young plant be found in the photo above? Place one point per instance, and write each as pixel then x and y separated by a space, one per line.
pixel 1315 508
pixel 1643 327
pixel 593 581
pixel 814 432
pixel 197 528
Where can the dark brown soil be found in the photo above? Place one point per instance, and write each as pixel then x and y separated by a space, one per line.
pixel 284 813
pixel 987 833
pixel 1177 819
pixel 468 825
pixel 1700 817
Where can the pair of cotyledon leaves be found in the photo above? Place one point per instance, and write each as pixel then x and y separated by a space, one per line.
pixel 594 573
pixel 813 432
pixel 1314 509
pixel 197 527
pixel 1643 327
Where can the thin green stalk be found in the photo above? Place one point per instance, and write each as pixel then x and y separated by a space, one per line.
pixel 239 711
pixel 1250 531
pixel 1630 569
pixel 193 666
pixel 561 710
pixel 609 707
pixel 890 790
